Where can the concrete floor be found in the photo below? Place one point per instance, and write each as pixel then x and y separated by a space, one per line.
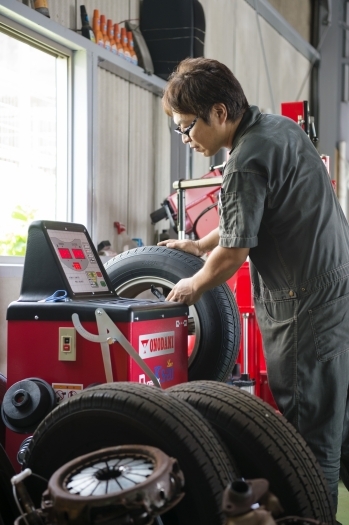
pixel 343 505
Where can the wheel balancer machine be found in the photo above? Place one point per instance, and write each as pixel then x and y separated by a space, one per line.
pixel 66 306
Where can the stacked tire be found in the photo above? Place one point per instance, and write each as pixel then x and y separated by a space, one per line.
pixel 216 432
pixel 264 445
pixel 130 414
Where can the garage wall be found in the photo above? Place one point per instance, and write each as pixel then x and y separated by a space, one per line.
pixel 237 37
pixel 67 12
pixel 127 174
pixel 10 285
pixel 133 143
pixel 297 13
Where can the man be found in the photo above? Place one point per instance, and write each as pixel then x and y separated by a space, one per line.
pixel 278 207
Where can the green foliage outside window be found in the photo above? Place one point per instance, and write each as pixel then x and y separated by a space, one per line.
pixel 15 243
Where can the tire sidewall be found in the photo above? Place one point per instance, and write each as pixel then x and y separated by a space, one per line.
pixel 134 414
pixel 216 309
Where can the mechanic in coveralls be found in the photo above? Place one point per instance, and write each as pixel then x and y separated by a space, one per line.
pixel 277 207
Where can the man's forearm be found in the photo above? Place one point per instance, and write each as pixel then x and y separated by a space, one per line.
pixel 221 264
pixel 209 242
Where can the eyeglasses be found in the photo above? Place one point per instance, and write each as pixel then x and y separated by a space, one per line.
pixel 187 130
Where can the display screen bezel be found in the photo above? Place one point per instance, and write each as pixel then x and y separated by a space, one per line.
pixel 77 228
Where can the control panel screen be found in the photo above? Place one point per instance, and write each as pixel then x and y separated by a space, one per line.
pixel 78 261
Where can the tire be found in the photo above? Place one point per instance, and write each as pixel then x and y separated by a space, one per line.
pixel 264 445
pixel 216 315
pixel 132 413
pixel 8 508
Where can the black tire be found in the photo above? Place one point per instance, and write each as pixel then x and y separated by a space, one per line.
pixel 8 508
pixel 216 315
pixel 264 445
pixel 132 413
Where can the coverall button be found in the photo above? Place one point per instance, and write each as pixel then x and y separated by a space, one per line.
pixel 304 290
pixel 291 293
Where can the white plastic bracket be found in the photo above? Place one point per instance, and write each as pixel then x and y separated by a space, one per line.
pixel 109 333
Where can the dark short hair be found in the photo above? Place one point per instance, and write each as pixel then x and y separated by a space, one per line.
pixel 199 83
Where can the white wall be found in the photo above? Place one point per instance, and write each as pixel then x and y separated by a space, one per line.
pixel 130 151
pixel 10 284
pixel 236 37
pixel 297 13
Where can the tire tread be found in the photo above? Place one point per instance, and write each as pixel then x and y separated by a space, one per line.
pixel 224 315
pixel 149 414
pixel 246 422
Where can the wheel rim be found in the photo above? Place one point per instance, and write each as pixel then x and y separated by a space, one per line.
pixel 109 476
pixel 139 287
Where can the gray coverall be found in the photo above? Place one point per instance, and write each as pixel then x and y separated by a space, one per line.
pixel 277 199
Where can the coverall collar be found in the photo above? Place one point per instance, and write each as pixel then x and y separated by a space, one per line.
pixel 249 118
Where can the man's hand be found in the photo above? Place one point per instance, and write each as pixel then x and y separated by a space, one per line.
pixel 185 245
pixel 199 247
pixel 221 264
pixel 184 292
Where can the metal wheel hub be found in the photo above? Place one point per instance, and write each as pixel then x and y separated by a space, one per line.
pixel 140 287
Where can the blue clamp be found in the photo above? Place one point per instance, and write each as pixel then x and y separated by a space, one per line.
pixel 58 296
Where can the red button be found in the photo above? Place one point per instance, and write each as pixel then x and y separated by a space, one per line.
pixel 66 348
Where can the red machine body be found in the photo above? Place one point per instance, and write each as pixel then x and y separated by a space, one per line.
pixel 297 111
pixel 157 332
pixel 251 356
pixel 69 330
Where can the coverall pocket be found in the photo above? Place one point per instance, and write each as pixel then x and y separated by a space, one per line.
pixel 330 325
pixel 281 311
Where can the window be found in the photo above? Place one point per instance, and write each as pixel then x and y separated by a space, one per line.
pixel 33 138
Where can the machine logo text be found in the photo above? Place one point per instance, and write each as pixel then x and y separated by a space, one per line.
pixel 152 345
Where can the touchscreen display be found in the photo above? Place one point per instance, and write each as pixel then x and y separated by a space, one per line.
pixel 78 262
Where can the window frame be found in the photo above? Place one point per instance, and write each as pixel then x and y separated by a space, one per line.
pixel 85 57
pixel 27 30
